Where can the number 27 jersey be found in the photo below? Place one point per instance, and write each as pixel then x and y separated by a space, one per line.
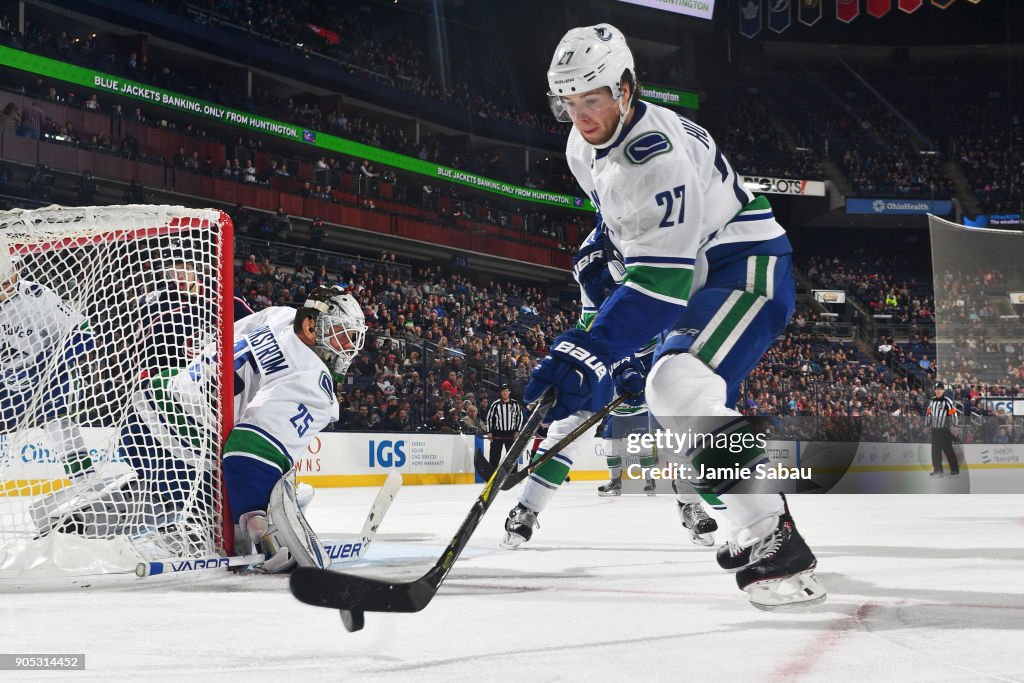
pixel 667 196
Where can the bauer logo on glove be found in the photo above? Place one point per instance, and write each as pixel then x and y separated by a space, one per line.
pixel 588 359
pixel 577 369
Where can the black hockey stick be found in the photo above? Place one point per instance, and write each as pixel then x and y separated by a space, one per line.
pixel 516 477
pixel 356 594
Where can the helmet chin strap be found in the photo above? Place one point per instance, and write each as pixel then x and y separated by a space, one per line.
pixel 623 112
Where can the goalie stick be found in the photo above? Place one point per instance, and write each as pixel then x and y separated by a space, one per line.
pixel 345 548
pixel 357 594
pixel 518 476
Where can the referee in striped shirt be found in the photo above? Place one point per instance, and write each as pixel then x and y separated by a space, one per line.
pixel 504 420
pixel 942 417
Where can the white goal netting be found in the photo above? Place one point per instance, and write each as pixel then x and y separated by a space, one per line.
pixel 102 465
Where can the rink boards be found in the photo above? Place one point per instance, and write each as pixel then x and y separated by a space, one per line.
pixel 336 459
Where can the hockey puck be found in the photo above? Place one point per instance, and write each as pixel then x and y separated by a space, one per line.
pixel 352 620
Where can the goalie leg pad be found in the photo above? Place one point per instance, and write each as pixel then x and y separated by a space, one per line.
pixel 95 508
pixel 304 495
pixel 289 529
pixel 253 533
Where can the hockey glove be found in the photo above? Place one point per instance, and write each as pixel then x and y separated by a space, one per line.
pixel 577 368
pixel 629 376
pixel 590 268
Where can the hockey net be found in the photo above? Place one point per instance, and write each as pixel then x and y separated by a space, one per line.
pixel 101 467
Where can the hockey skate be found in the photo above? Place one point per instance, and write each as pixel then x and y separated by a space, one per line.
pixel 732 557
pixel 612 488
pixel 780 569
pixel 519 526
pixel 649 487
pixel 697 521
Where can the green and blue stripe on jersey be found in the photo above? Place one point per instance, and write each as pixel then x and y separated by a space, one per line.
pixel 657 288
pixel 251 441
pixel 743 306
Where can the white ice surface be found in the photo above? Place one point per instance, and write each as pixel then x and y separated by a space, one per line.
pixel 921 588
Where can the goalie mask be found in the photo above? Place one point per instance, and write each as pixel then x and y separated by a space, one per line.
pixel 340 326
pixel 588 58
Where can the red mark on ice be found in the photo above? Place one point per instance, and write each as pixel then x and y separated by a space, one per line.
pixel 815 651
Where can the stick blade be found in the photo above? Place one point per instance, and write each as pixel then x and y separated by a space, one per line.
pixel 358 593
pixel 380 506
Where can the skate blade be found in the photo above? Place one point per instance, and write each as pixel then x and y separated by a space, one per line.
pixel 610 494
pixel 703 540
pixel 511 541
pixel 791 606
pixel 808 592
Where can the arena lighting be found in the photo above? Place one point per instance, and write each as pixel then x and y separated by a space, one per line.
pixel 929 152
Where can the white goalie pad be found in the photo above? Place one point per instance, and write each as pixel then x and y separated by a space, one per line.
pixel 93 508
pixel 289 529
pixel 304 495
pixel 107 508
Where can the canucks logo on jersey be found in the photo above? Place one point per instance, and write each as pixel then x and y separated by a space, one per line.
pixel 646 146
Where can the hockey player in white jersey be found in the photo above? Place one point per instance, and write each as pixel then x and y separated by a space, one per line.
pixel 286 397
pixel 706 264
pixel 42 343
pixel 283 397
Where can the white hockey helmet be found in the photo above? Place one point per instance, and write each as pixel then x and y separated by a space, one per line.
pixel 340 326
pixel 588 58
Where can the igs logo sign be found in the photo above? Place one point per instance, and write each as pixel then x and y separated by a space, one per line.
pixel 386 453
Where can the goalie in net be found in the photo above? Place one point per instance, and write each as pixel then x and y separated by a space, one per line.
pixel 283 397
pixel 148 382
